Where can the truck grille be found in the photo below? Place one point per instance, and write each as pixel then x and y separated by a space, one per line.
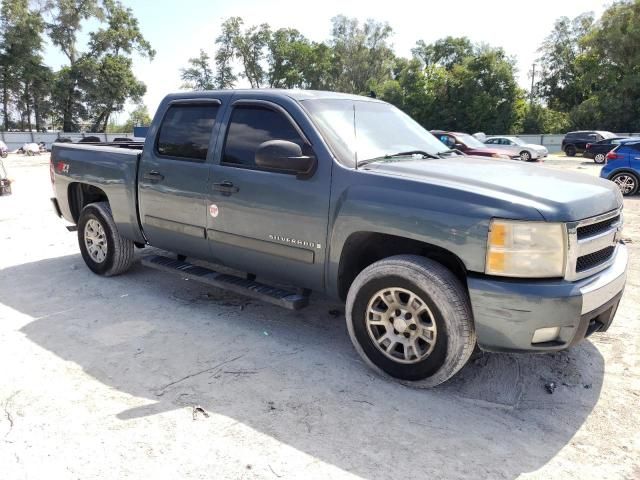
pixel 593 229
pixel 594 259
pixel 592 244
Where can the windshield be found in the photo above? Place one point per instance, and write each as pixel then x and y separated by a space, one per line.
pixel 517 141
pixel 469 141
pixel 359 130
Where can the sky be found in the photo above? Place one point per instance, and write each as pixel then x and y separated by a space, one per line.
pixel 178 30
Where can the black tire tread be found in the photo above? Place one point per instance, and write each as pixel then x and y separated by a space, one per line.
pixel 123 248
pixel 463 340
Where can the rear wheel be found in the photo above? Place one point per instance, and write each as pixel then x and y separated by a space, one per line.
pixel 626 182
pixel 599 158
pixel 409 318
pixel 103 249
pixel 570 150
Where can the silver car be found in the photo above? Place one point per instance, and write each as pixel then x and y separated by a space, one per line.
pixel 516 146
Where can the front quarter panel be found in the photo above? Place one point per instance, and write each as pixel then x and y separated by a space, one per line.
pixel 444 216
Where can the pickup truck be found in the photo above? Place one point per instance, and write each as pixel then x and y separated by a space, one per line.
pixel 433 251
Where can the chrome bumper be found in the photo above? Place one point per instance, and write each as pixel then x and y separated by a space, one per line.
pixel 606 284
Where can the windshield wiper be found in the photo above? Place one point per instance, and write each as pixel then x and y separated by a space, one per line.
pixel 395 155
pixel 451 150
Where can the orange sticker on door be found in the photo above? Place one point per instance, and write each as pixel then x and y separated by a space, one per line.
pixel 213 210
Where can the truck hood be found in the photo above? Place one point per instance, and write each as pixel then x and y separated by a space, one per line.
pixel 558 195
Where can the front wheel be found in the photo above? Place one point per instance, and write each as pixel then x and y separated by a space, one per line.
pixel 570 151
pixel 599 158
pixel 103 249
pixel 409 318
pixel 525 156
pixel 4 154
pixel 626 182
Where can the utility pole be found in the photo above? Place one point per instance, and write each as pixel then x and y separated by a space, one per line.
pixel 533 79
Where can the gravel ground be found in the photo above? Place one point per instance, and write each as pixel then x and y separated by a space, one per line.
pixel 148 375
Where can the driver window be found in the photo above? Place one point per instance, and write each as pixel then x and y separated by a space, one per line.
pixel 250 126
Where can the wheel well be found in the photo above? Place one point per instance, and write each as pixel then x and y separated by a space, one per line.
pixel 82 194
pixel 364 248
pixel 623 170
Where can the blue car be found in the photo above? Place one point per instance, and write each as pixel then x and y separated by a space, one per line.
pixel 623 167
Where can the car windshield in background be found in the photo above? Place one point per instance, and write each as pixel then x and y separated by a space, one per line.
pixel 359 130
pixel 470 141
pixel 517 141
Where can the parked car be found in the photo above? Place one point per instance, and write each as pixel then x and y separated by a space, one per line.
pixel 5 183
pixel 4 150
pixel 516 146
pixel 598 150
pixel 30 149
pixel 432 252
pixel 576 142
pixel 623 167
pixel 470 145
pixel 90 139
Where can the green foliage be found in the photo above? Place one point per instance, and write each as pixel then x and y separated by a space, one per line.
pixel 23 77
pixel 137 118
pixel 591 69
pixel 456 85
pixel 199 75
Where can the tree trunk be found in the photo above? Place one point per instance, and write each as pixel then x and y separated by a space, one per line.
pixel 5 99
pixel 36 114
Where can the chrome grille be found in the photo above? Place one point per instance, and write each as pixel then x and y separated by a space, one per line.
pixel 586 262
pixel 596 228
pixel 592 244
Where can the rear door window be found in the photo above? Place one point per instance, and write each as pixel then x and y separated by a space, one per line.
pixel 186 130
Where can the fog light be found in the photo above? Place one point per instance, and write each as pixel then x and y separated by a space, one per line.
pixel 548 334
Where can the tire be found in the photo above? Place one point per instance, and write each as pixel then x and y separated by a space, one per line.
pixel 447 311
pixel 599 157
pixel 4 154
pixel 117 255
pixel 570 150
pixel 525 156
pixel 627 182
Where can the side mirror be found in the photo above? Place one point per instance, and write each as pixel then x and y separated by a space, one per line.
pixel 459 146
pixel 285 157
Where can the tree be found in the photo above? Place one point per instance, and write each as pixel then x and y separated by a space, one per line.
pixel 249 48
pixel 199 75
pixel 609 66
pixel 108 66
pixel 21 69
pixel 456 85
pixel 226 41
pixel 560 83
pixel 446 52
pixel 289 55
pixel 99 81
pixel 67 19
pixel 362 55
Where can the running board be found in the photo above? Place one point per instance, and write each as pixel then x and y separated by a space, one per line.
pixel 242 286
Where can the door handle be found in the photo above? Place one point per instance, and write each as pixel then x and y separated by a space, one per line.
pixel 153 176
pixel 225 187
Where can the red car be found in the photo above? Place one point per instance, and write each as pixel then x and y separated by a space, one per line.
pixel 470 145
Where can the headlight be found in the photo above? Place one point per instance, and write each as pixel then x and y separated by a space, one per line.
pixel 500 155
pixel 525 249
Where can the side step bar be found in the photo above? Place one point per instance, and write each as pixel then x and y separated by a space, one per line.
pixel 242 286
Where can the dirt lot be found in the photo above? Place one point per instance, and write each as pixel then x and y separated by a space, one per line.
pixel 105 378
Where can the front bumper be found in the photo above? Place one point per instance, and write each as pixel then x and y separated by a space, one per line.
pixel 508 312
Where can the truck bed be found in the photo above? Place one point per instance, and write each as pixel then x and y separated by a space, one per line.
pixel 111 168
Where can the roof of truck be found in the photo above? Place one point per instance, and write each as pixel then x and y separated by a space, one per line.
pixel 296 94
